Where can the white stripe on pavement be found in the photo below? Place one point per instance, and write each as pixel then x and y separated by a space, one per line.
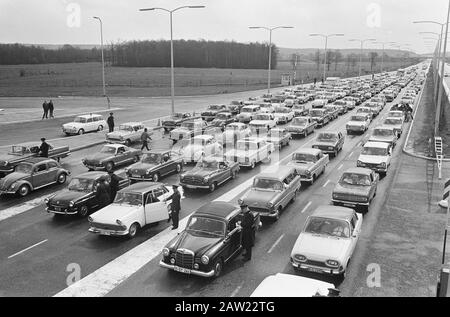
pixel 325 185
pixel 29 248
pixel 236 291
pixel 16 210
pixel 306 207
pixel 275 244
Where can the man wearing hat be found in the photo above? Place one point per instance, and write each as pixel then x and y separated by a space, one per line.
pixel 113 184
pixel 110 122
pixel 176 206
pixel 247 232
pixel 43 149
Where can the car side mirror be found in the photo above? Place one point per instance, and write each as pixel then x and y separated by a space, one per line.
pixel 227 239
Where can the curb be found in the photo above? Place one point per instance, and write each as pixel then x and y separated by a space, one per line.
pixel 86 146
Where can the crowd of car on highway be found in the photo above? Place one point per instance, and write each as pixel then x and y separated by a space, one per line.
pixel 221 142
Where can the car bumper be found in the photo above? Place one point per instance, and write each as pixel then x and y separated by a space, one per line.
pixel 185 271
pixel 62 211
pixel 316 269
pixel 7 192
pixel 104 232
pixel 144 178
pixel 94 167
pixel 347 203
pixel 111 141
pixel 190 186
pixel 295 132
pixel 306 179
pixel 373 168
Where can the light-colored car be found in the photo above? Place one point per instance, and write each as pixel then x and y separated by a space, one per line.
pixel 330 142
pixel 279 137
pixel 188 129
pixel 271 192
pixel 266 107
pixel 359 123
pixel 300 110
pixel 302 126
pixel 374 106
pixel 250 151
pixel 85 123
pixel 200 146
pixel 396 123
pixel 263 120
pixel 319 103
pixel 384 134
pixel 365 110
pixel 376 156
pixel 133 208
pixel 248 113
pixel 351 103
pixel 283 115
pixel 395 114
pixel 127 133
pixel 286 285
pixel 328 240
pixel 233 133
pixel 309 163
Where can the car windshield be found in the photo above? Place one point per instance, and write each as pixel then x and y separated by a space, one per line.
pixel 328 227
pixel 133 199
pixel 25 168
pixel 392 121
pixel 263 117
pixel 81 185
pixel 19 150
pixel 247 110
pixel 206 227
pixel 126 128
pixel 395 114
pixel 197 141
pixel 267 184
pixel 79 120
pixel 108 150
pixel 152 158
pixel 374 151
pixel 222 116
pixel 189 125
pixel 275 133
pixel 365 110
pixel 211 165
pixel 327 137
pixel 358 118
pixel 383 132
pixel 303 158
pixel 246 146
pixel 299 121
pixel 315 113
pixel 282 110
pixel 355 179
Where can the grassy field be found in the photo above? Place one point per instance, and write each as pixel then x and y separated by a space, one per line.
pixel 84 79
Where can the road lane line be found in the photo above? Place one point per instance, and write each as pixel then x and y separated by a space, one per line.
pixel 16 210
pixel 341 166
pixel 236 291
pixel 275 244
pixel 325 185
pixel 29 248
pixel 351 154
pixel 306 207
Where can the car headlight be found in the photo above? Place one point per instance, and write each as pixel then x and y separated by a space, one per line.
pixel 13 185
pixel 300 258
pixel 119 222
pixel 240 201
pixel 172 261
pixel 71 204
pixel 83 161
pixel 383 164
pixel 166 252
pixel 247 160
pixel 335 196
pixel 205 179
pixel 90 219
pixel 5 163
pixel 148 171
pixel 46 200
pixel 332 263
pixel 359 163
pixel 205 259
pixel 270 204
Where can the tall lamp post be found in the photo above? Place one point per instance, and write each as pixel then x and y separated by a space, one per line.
pixel 270 47
pixel 172 72
pixel 103 57
pixel 437 60
pixel 361 54
pixel 326 36
pixel 382 54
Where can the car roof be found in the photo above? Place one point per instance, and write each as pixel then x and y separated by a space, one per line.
pixel 36 160
pixel 142 187
pixel 308 151
pixel 203 137
pixel 279 173
pixel 334 212
pixel 385 127
pixel 359 170
pixel 114 145
pixel 218 209
pixel 132 123
pixel 92 175
pixel 382 145
pixel 89 115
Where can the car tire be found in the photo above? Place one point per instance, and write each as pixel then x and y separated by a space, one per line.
pixel 179 168
pixel 253 165
pixel 83 212
pixel 134 228
pixel 109 166
pixel 218 267
pixel 128 142
pixel 212 187
pixel 136 159
pixel 100 128
pixel 81 132
pixel 155 177
pixel 24 190
pixel 61 178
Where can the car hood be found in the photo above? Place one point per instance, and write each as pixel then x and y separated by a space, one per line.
pixel 301 167
pixel 321 248
pixel 10 158
pixel 322 143
pixel 373 159
pixel 260 122
pixel 142 167
pixel 199 172
pixel 8 180
pixel 117 134
pixel 351 189
pixel 389 139
pixel 113 212
pixel 192 148
pixel 259 198
pixel 356 123
pixel 67 196
pixel 292 126
pixel 196 244
pixel 97 157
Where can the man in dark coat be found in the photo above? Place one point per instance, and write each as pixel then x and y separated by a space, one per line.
pixel 176 206
pixel 51 108
pixel 113 184
pixel 145 137
pixel 102 195
pixel 110 122
pixel 247 232
pixel 43 149
pixel 45 107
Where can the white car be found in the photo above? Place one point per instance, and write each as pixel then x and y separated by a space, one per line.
pixel 286 285
pixel 188 130
pixel 327 241
pixel 200 146
pixel 250 151
pixel 127 133
pixel 359 123
pixel 133 208
pixel 396 123
pixel 266 108
pixel 233 133
pixel 395 114
pixel 319 103
pixel 376 156
pixel 85 123
pixel 283 115
pixel 384 134
pixel 248 113
pixel 264 120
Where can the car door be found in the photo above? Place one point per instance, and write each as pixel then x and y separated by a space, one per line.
pixel 90 124
pixel 155 208
pixel 41 175
pixel 120 156
pixel 341 140
pixel 233 237
pixel 167 165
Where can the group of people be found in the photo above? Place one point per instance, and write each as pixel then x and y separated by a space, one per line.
pixel 106 192
pixel 49 109
pixel 145 137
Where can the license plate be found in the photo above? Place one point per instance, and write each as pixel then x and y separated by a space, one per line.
pixel 349 205
pixel 191 186
pixel 105 233
pixel 314 270
pixel 135 176
pixel 57 209
pixel 182 270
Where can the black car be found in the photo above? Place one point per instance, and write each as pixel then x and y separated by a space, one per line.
pixel 80 196
pixel 211 239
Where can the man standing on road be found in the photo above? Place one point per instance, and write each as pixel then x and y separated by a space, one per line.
pixel 51 108
pixel 176 206
pixel 145 137
pixel 113 184
pixel 45 107
pixel 315 82
pixel 247 232
pixel 43 149
pixel 102 194
pixel 111 122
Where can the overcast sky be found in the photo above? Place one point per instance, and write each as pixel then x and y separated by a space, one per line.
pixel 71 22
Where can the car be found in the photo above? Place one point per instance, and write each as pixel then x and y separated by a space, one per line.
pixel 80 198
pixel 22 152
pixel 223 119
pixel 210 113
pixel 359 123
pixel 303 98
pixel 279 137
pixel 327 241
pixel 390 97
pixel 356 188
pixel 330 142
pixel 198 147
pixel 133 208
pixel 396 123
pixel 209 173
pixel 301 126
pixel 320 117
pixel 32 174
pixel 175 120
pixel 408 100
pixel 283 115
pixel 211 239
pixel 333 111
pixel 376 156
pixel 300 110
pixel 319 103
pixel 374 106
pixel 384 134
pixel 250 151
pixel 287 285
pixel 272 191
pixel 188 129
pixel 309 163
pixel 248 113
pixel 154 165
pixel 351 102
pixel 233 133
pixel 85 123
pixel 266 107
pixel 233 109
pixel 127 133
pixel 395 114
pixel 111 156
pixel 265 121
pixel 365 110
pixel 342 106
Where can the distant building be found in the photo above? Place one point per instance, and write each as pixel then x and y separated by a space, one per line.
pixel 287 80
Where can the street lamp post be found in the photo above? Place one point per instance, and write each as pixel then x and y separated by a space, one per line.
pixel 270 47
pixel 437 57
pixel 103 58
pixel 326 36
pixel 172 71
pixel 382 54
pixel 360 55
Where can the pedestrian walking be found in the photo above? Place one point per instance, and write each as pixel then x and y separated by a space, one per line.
pixel 102 195
pixel 51 108
pixel 248 239
pixel 176 206
pixel 43 149
pixel 315 82
pixel 113 184
pixel 145 137
pixel 110 122
pixel 45 107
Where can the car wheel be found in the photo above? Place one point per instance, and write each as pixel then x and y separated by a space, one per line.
pixel 294 198
pixel 100 128
pixel 24 190
pixel 83 212
pixel 109 166
pixel 305 134
pixel 62 178
pixel 212 187
pixel 253 165
pixel 155 177
pixel 128 142
pixel 179 168
pixel 133 230
pixel 81 132
pixel 136 159
pixel 218 267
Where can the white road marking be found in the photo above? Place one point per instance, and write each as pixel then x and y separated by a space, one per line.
pixel 341 166
pixel 351 154
pixel 236 291
pixel 275 244
pixel 25 250
pixel 306 207
pixel 325 185
pixel 16 210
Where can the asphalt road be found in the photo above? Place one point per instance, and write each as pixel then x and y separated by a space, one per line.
pixel 58 242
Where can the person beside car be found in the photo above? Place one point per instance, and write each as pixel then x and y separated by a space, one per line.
pixel 145 137
pixel 43 149
pixel 103 193
pixel 113 184
pixel 247 232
